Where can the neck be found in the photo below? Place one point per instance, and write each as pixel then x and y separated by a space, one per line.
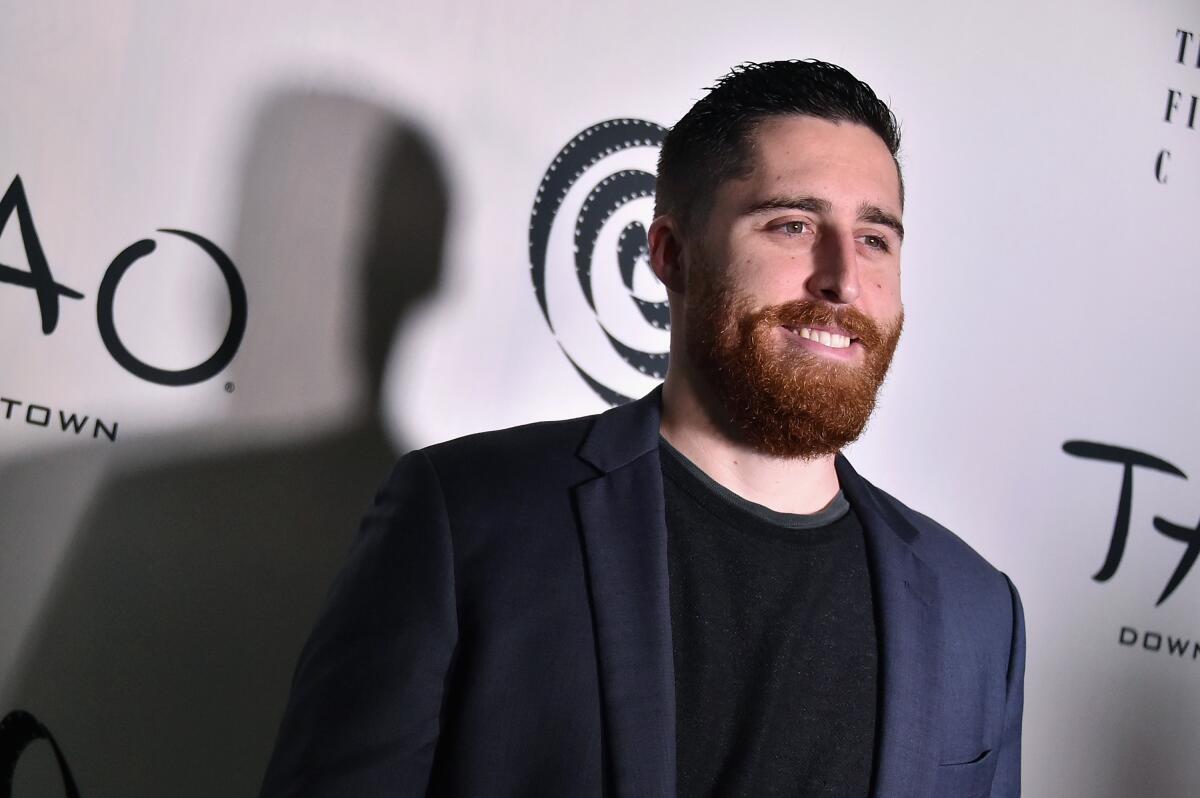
pixel 784 485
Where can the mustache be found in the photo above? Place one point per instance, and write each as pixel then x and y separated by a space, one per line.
pixel 811 313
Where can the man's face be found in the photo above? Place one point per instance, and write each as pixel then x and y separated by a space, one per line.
pixel 792 302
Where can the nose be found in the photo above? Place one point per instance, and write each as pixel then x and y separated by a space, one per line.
pixel 835 270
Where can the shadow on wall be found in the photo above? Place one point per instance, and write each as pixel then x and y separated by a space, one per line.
pixel 162 653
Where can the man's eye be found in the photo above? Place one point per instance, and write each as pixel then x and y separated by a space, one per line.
pixel 795 228
pixel 876 242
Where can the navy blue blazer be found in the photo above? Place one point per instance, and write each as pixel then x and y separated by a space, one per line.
pixel 503 628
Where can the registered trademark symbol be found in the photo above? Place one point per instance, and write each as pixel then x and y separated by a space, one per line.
pixel 229 387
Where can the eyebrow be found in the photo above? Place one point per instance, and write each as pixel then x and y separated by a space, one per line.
pixel 876 215
pixel 804 203
pixel 866 212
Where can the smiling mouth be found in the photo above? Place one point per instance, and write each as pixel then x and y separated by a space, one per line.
pixel 830 338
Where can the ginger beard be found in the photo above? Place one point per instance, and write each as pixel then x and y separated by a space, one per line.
pixel 780 398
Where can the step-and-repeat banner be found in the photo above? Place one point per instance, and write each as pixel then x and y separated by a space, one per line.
pixel 251 252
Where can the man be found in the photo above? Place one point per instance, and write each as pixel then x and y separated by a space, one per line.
pixel 694 593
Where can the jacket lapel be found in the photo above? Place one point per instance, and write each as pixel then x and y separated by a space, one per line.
pixel 622 516
pixel 910 636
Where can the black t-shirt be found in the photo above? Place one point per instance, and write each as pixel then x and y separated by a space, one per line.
pixel 774 643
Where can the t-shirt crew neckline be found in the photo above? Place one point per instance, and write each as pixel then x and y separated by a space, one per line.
pixel 726 504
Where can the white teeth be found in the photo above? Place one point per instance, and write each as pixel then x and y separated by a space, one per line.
pixel 832 340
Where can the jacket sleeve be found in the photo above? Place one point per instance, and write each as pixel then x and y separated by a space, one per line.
pixel 1007 780
pixel 363 716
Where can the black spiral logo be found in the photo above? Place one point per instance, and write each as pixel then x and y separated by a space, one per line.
pixel 592 158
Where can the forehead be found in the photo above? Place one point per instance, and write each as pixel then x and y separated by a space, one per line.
pixel 842 161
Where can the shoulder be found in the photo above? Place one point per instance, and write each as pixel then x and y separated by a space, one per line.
pixel 495 469
pixel 964 574
pixel 538 446
pixel 935 541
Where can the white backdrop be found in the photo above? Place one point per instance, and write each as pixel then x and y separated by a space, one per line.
pixel 370 167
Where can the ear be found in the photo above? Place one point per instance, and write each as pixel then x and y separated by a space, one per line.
pixel 666 253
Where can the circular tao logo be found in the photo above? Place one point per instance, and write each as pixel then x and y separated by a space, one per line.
pixel 589 258
pixel 229 344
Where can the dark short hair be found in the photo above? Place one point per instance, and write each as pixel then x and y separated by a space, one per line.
pixel 712 142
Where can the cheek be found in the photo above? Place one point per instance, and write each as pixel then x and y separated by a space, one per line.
pixel 766 281
pixel 884 302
